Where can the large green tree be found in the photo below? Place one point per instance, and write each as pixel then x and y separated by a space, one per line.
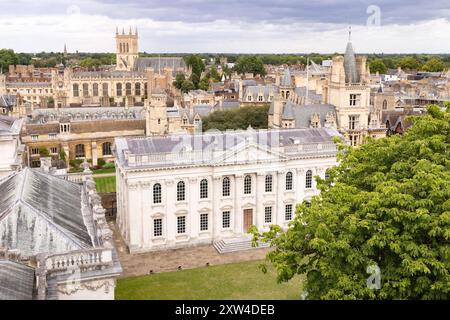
pixel 377 65
pixel 386 204
pixel 434 65
pixel 250 64
pixel 7 57
pixel 240 118
pixel 409 63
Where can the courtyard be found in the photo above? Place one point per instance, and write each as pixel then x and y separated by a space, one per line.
pixel 239 281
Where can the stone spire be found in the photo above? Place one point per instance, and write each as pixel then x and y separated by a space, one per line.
pixel 351 73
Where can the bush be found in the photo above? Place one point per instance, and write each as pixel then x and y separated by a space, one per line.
pixel 109 165
pixel 101 162
pixel 43 152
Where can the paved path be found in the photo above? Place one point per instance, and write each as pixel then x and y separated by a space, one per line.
pixel 169 260
pixel 101 175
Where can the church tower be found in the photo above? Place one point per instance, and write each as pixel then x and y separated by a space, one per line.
pixel 349 91
pixel 127 50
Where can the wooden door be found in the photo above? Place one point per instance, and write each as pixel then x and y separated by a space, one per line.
pixel 248 219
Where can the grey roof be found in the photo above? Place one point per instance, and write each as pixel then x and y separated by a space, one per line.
pixel 313 96
pixel 228 104
pixel 107 74
pixel 86 114
pixel 286 80
pixel 169 151
pixel 159 63
pixel 254 91
pixel 203 110
pixel 351 73
pixel 40 213
pixel 302 113
pixel 16 281
pixel 8 100
pixel 9 125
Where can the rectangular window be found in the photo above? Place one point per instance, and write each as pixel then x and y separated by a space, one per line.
pixel 353 122
pixel 52 135
pixel 53 150
pixel 203 222
pixel 226 219
pixel 268 215
pixel 34 137
pixel 288 212
pixel 157 227
pixel 355 100
pixel 181 224
pixel 34 151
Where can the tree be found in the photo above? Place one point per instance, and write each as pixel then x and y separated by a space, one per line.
pixel 7 58
pixel 377 65
pixel 43 152
pixel 386 204
pixel 250 64
pixel 187 86
pixel 204 84
pixel 409 63
pixel 434 65
pixel 239 118
pixel 197 66
pixel 179 78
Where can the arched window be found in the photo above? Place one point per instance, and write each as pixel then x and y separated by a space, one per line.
pixel 308 180
pixel 247 185
pixel 157 198
pixel 106 149
pixel 181 191
pixel 137 89
pixel 79 151
pixel 105 89
pixel 128 89
pixel 289 181
pixel 268 184
pixel 119 89
pixel 226 187
pixel 204 189
pixel 85 90
pixel 384 104
pixel 76 90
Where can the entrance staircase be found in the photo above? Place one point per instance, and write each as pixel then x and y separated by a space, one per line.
pixel 237 244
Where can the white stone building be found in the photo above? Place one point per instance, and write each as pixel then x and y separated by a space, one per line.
pixel 176 191
pixel 11 148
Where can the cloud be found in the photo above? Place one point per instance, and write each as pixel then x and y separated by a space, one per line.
pixel 226 26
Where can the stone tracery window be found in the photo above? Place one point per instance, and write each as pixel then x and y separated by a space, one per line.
pixel 106 149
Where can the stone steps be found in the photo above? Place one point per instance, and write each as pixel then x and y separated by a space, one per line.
pixel 236 244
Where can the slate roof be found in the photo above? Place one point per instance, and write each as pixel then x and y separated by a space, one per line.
pixel 16 281
pixel 7 100
pixel 254 91
pixel 172 144
pixel 41 213
pixel 302 113
pixel 159 63
pixel 286 80
pixel 351 73
pixel 9 125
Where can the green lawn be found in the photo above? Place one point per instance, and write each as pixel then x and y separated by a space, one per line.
pixel 106 184
pixel 239 281
pixel 107 170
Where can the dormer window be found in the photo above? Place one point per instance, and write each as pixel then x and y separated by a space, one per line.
pixel 249 98
pixel 260 98
pixel 185 121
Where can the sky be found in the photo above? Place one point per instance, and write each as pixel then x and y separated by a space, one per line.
pixel 232 26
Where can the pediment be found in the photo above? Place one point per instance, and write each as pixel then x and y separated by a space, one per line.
pixel 249 153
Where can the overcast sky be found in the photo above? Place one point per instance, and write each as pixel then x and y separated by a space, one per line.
pixel 241 26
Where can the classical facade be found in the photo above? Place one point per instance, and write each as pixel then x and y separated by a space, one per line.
pixel 176 191
pixel 55 242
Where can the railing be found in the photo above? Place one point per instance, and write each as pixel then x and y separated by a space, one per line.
pixel 73 177
pixel 200 157
pixel 79 259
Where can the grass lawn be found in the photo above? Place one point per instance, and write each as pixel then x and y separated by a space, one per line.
pixel 107 170
pixel 239 281
pixel 105 184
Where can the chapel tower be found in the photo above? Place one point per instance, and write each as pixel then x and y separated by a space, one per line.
pixel 127 50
